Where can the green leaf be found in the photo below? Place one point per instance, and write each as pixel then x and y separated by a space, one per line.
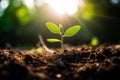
pixel 71 31
pixel 52 27
pixel 61 28
pixel 53 40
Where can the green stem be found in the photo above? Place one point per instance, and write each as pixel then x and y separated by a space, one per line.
pixel 61 37
pixel 62 46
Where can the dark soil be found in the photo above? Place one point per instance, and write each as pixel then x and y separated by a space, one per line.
pixel 81 63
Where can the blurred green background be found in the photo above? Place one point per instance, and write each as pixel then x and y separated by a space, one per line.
pixel 22 21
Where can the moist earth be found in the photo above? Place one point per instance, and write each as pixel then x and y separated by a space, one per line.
pixel 76 63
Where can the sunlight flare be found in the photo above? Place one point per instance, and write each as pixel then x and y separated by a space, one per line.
pixel 64 6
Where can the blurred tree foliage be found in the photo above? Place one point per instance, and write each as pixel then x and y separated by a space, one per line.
pixel 20 25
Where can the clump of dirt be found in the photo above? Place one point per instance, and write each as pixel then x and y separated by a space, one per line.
pixel 77 63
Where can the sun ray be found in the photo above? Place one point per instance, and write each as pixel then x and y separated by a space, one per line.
pixel 64 6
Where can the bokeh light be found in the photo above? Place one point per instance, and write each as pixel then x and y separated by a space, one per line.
pixel 94 41
pixel 29 4
pixel 115 1
pixel 17 3
pixel 4 4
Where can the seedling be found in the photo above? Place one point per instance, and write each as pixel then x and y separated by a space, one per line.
pixel 60 30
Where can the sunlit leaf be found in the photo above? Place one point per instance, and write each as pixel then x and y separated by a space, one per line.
pixel 52 27
pixel 53 40
pixel 71 31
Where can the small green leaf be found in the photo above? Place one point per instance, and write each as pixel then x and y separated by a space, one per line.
pixel 71 31
pixel 52 27
pixel 61 28
pixel 53 40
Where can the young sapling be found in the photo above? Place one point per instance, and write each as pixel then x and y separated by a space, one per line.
pixel 60 30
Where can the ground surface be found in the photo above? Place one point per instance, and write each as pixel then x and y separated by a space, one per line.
pixel 81 63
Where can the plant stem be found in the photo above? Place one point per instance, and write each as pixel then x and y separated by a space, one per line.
pixel 61 37
pixel 62 46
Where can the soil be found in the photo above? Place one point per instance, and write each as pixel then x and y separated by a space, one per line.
pixel 77 63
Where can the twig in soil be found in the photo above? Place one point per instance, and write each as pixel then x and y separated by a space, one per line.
pixel 43 44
